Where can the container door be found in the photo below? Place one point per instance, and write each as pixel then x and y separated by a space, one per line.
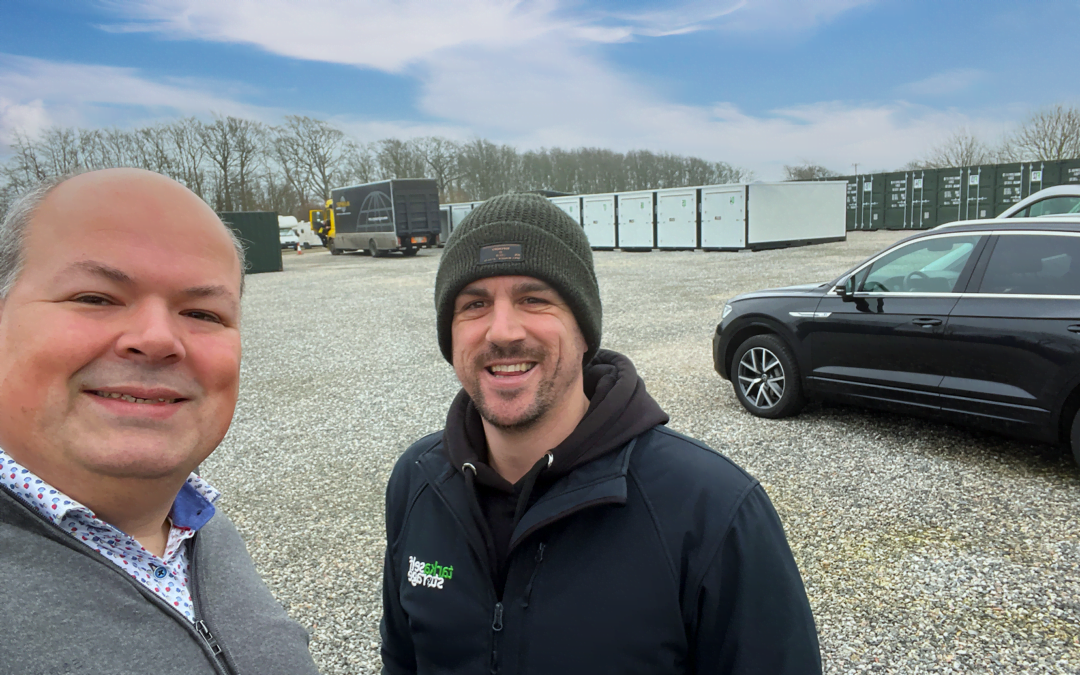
pixel 571 206
pixel 723 218
pixel 457 214
pixel 599 224
pixel 852 203
pixel 636 221
pixel 676 220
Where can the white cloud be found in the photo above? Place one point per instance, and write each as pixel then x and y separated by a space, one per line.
pixel 944 83
pixel 36 94
pixel 28 118
pixel 786 16
pixel 391 35
pixel 384 34
pixel 525 73
pixel 23 78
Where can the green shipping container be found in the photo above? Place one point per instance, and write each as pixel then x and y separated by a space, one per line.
pixel 1042 175
pixel 1070 172
pixel 852 203
pixel 258 230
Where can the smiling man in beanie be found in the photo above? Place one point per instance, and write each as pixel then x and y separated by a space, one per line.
pixel 556 525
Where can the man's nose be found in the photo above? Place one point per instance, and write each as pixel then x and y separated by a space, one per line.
pixel 151 333
pixel 506 325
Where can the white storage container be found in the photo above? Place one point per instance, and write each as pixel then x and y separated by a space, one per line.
pixel 598 217
pixel 676 218
pixel 723 217
pixel 785 214
pixel 637 217
pixel 571 205
pixel 444 223
pixel 457 214
pixel 771 215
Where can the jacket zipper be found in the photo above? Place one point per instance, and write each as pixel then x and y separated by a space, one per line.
pixel 496 628
pixel 532 578
pixel 200 626
pixel 218 662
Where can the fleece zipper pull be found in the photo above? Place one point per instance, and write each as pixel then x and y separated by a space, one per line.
pixel 200 626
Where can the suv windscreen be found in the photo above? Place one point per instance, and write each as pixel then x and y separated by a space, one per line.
pixel 1034 264
pixel 1051 206
pixel 926 266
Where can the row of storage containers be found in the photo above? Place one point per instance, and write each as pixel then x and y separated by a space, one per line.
pixel 711 217
pixel 927 198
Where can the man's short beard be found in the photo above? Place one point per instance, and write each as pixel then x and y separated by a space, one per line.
pixel 545 392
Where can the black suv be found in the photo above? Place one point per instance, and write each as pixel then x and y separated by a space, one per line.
pixel 977 323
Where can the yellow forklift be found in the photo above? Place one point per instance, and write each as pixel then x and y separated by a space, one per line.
pixel 322 224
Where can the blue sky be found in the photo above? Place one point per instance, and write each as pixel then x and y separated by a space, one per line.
pixel 757 83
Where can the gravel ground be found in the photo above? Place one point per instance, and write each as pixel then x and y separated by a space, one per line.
pixel 925 548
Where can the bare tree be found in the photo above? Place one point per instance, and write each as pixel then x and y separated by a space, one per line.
pixel 440 157
pixel 1052 133
pixel 313 155
pixel 361 165
pixel 807 171
pixel 962 148
pixel 189 154
pixel 399 159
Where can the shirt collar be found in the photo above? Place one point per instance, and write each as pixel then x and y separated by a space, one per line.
pixel 192 508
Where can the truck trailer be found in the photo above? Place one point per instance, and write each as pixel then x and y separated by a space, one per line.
pixel 391 215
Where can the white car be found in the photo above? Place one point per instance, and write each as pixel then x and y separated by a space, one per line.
pixel 288 237
pixel 1062 201
pixel 1054 201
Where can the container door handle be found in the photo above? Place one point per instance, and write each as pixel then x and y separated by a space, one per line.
pixel 926 323
pixel 1075 328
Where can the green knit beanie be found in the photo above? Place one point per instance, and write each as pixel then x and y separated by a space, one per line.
pixel 520 235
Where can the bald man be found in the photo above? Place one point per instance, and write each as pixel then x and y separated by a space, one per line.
pixel 119 370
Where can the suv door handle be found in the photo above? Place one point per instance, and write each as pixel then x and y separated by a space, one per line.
pixel 926 323
pixel 1075 328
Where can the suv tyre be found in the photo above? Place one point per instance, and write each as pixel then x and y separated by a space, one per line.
pixel 766 377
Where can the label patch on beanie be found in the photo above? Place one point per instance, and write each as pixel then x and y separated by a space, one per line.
pixel 499 253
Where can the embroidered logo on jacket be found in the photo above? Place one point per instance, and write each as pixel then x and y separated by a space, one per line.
pixel 431 575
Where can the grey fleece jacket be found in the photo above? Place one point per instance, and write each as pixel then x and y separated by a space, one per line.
pixel 65 608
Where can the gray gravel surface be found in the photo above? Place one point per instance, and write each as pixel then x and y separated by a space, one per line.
pixel 925 548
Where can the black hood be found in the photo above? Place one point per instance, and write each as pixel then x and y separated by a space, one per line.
pixel 619 410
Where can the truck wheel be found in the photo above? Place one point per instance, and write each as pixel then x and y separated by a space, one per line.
pixel 333 249
pixel 1074 437
pixel 766 377
pixel 374 249
pixel 409 252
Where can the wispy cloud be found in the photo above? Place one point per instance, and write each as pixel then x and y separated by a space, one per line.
pixel 944 83
pixel 529 73
pixel 23 78
pixel 36 94
pixel 387 35
pixel 391 35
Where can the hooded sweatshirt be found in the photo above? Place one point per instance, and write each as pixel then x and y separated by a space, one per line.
pixel 620 409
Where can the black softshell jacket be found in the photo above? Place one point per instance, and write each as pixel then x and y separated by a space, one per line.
pixel 660 556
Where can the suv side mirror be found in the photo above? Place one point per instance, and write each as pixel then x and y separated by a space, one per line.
pixel 846 289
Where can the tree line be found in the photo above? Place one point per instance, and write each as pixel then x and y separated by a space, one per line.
pixel 1048 134
pixel 238 164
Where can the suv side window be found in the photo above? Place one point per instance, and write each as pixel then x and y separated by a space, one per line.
pixel 930 265
pixel 1034 264
pixel 1050 206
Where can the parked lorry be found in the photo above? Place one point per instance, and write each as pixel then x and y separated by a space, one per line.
pixel 392 215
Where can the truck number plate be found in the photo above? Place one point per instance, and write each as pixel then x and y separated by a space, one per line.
pixel 419 240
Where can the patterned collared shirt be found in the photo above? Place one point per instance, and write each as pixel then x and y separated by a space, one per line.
pixel 165 577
